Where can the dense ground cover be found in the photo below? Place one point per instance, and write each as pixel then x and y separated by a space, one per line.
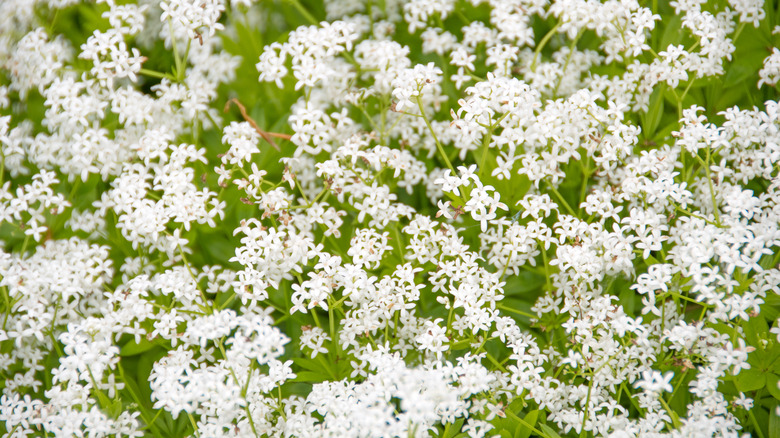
pixel 389 218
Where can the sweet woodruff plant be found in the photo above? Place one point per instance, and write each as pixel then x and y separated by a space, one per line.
pixel 385 218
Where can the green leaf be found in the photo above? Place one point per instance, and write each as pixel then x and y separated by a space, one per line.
pixel 548 431
pixel 517 309
pixel 215 246
pixel 103 400
pixel 772 356
pixel 665 132
pixel 750 380
pixel 672 33
pixel 525 431
pixel 306 363
pixel 516 404
pixel 506 425
pixel 318 365
pixel 522 284
pixel 454 429
pixel 675 419
pixel 738 72
pixel 344 367
pixel 772 381
pixel 454 200
pixel 655 110
pixel 131 348
pixel 250 43
pixel 143 369
pixel 728 97
pixel 115 408
pixel 774 423
pixel 310 376
pixel 756 329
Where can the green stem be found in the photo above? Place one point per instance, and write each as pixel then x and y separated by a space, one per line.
pixel 486 143
pixel 184 61
pixel 566 64
pixel 694 215
pixel 560 198
pixel 333 334
pixel 195 279
pixel 587 407
pixel 685 92
pixel 194 425
pixel 176 58
pixel 586 172
pixel 433 134
pixel 759 432
pixel 519 312
pixel 675 421
pixel 712 189
pixel 24 244
pixel 495 362
pixel 306 14
pixel 546 268
pixel 526 424
pixel 485 146
pixel 144 413
pixel 542 43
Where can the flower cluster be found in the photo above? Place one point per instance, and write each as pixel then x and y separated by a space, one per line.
pixel 402 218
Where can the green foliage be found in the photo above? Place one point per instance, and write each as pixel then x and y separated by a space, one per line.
pixel 270 108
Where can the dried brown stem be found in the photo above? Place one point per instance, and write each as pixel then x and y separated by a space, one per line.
pixel 266 135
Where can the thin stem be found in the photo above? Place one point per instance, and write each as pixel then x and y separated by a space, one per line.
pixel 156 74
pixel 495 362
pixel 194 424
pixel 519 312
pixel 712 189
pixel 306 14
pixel 144 414
pixel 546 268
pixel 526 424
pixel 486 143
pixel 184 60
pixel 675 421
pixel 433 134
pixel 687 89
pixel 176 58
pixel 568 60
pixel 587 407
pixel 759 432
pixel 560 198
pixel 543 43
pixel 333 335
pixel 694 215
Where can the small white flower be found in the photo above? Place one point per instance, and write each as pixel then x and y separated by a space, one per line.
pixel 654 382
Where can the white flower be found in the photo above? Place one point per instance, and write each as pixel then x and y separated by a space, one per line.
pixel 770 72
pixel 654 382
pixel 193 18
pixel 368 247
pixel 414 82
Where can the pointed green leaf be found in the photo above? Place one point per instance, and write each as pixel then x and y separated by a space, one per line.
pixel 773 385
pixel 750 380
pixel 524 431
pixel 655 110
pixel 774 423
pixel 131 348
pixel 548 431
